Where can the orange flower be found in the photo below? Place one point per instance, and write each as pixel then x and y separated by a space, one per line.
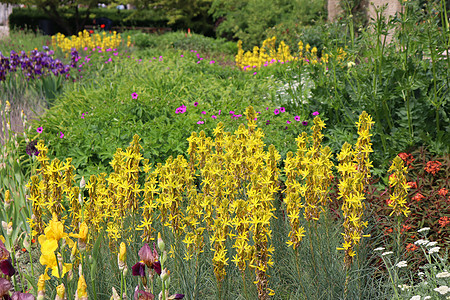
pixel 407 158
pixel 412 184
pixel 444 221
pixel 433 167
pixel 411 247
pixel 418 197
pixel 387 230
pixel 443 192
pixel 405 228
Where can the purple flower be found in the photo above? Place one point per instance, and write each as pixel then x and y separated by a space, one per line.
pixel 5 286
pixel 231 112
pixel 138 269
pixel 31 148
pixel 61 135
pixel 267 122
pixel 82 115
pixel 39 129
pixel 7 268
pixel 304 123
pixel 134 95
pixel 282 109
pixel 143 295
pixel 200 122
pixel 22 296
pixel 288 122
pixel 195 104
pixel 176 296
pixel 212 62
pixel 276 111
pixel 220 111
pixel 203 112
pixel 255 73
pixel 181 55
pixel 316 113
pixel 214 117
pixel 147 256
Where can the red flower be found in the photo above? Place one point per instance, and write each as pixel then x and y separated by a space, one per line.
pixel 412 184
pixel 411 247
pixel 418 197
pixel 433 167
pixel 443 192
pixel 407 158
pixel 387 230
pixel 102 26
pixel 444 221
pixel 405 228
pixel 91 31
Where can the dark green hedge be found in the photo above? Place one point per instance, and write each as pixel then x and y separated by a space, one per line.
pixel 32 18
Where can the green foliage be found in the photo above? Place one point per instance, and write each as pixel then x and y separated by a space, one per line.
pixel 249 20
pixel 30 17
pixel 183 41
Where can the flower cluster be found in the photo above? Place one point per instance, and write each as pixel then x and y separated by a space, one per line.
pixel 86 40
pixel 268 55
pixel 354 168
pixel 35 64
pixel 399 192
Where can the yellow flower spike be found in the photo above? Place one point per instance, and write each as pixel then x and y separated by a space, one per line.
pixel 41 286
pixel 81 293
pixel 60 292
pixel 122 256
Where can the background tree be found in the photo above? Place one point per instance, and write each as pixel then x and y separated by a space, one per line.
pixel 71 16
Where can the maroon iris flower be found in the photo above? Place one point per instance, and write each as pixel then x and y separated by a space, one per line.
pixel 138 269
pixel 142 295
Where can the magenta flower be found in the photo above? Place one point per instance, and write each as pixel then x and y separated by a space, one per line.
pixel 200 122
pixel 203 112
pixel 39 129
pixel 288 122
pixel 82 115
pixel 214 117
pixel 195 104
pixel 282 109
pixel 212 62
pixel 254 73
pixel 61 135
pixel 181 109
pixel 297 118
pixel 267 122
pixel 267 108
pixel 276 111
pixel 181 55
pixel 134 95
pixel 231 112
pixel 316 113
pixel 176 296
pixel 304 123
pixel 220 111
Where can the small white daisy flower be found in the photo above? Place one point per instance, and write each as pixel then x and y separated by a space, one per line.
pixel 434 250
pixel 443 275
pixel 443 289
pixel 421 242
pixel 401 264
